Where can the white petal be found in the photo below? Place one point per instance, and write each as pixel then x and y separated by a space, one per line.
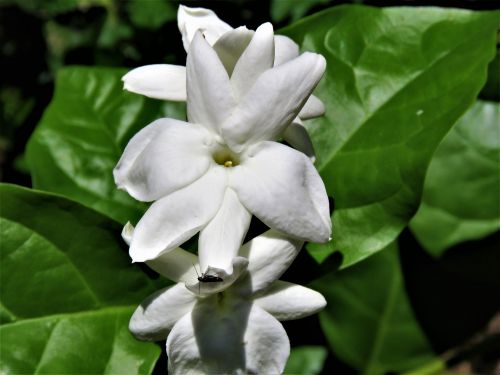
pixel 287 301
pixel 128 232
pixel 313 108
pixel 231 45
pixel 174 219
pixel 267 347
pixel 221 239
pixel 182 349
pixel 163 157
pixel 285 49
pixel 156 315
pixel 177 265
pixel 273 101
pixel 297 136
pixel 189 20
pixel 159 81
pixel 255 60
pixel 210 340
pixel 282 188
pixel 204 288
pixel 209 95
pixel 269 255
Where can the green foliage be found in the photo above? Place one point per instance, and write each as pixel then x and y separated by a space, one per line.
pixel 397 79
pixel 461 193
pixel 368 320
pixel 152 16
pixel 83 133
pixel 305 360
pixel 68 290
pixel 295 9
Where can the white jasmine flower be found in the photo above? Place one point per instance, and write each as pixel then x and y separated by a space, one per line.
pixel 168 82
pixel 212 173
pixel 230 326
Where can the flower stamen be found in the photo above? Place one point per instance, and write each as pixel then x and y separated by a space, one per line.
pixel 225 157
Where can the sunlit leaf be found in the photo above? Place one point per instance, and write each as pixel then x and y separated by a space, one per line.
pixel 397 79
pixel 68 290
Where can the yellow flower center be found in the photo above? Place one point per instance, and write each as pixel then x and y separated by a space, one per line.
pixel 225 157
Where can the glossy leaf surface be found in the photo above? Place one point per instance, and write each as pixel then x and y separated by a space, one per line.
pixel 368 320
pixel 68 290
pixel 397 79
pixel 461 199
pixel 83 133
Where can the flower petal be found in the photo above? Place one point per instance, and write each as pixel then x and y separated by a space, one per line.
pixel 177 265
pixel 174 219
pixel 269 255
pixel 267 346
pixel 273 101
pixel 285 49
pixel 189 20
pixel 282 188
pixel 204 288
pixel 313 108
pixel 128 232
pixel 163 157
pixel 210 340
pixel 156 315
pixel 287 301
pixel 231 45
pixel 209 93
pixel 255 60
pixel 297 136
pixel 159 81
pixel 221 239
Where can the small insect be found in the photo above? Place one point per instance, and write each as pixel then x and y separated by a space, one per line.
pixel 206 278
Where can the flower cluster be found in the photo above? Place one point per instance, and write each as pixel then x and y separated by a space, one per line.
pixel 245 90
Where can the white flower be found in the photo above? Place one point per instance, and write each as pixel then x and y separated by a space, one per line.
pixel 168 82
pixel 212 173
pixel 229 326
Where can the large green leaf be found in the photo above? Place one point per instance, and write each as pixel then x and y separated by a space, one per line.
pixel 461 198
pixel 83 133
pixel 368 320
pixel 397 79
pixel 68 290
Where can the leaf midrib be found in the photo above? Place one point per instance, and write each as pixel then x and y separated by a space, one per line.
pixel 383 325
pixel 335 152
pixel 84 281
pixel 82 313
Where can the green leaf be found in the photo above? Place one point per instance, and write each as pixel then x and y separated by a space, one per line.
pixel 68 290
pixel 150 14
pixel 306 360
pixel 83 133
pixel 397 79
pixel 461 198
pixel 295 9
pixel 368 320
